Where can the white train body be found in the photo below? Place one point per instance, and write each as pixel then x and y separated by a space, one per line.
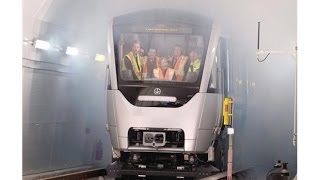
pixel 149 115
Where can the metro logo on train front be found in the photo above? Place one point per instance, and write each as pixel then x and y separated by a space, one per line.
pixel 157 91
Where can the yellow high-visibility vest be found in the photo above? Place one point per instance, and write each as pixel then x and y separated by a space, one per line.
pixel 137 65
pixel 194 66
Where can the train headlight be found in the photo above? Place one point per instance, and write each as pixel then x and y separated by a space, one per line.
pixel 148 138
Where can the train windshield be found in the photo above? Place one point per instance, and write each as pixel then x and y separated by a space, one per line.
pixel 160 57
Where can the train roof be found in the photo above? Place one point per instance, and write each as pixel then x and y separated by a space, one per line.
pixel 163 15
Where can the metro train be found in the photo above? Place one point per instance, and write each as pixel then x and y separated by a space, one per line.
pixel 165 121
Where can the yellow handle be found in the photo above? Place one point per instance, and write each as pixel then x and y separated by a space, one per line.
pixel 227 111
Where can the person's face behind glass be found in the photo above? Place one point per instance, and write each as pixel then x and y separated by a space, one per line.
pixel 164 64
pixel 152 54
pixel 141 52
pixel 193 55
pixel 136 48
pixel 177 51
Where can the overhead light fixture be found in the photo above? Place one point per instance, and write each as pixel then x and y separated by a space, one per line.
pixel 100 57
pixel 27 41
pixel 72 51
pixel 40 44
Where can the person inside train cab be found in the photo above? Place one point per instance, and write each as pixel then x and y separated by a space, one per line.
pixel 134 62
pixel 164 72
pixel 142 52
pixel 178 62
pixel 151 62
pixel 193 66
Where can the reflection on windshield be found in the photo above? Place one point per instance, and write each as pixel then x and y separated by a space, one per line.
pixel 160 57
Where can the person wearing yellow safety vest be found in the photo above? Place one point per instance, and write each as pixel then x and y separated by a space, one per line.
pixel 193 66
pixel 164 72
pixel 178 63
pixel 133 61
pixel 151 62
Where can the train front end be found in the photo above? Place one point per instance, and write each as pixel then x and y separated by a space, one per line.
pixel 150 110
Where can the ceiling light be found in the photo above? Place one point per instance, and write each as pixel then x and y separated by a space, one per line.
pixel 72 51
pixel 100 57
pixel 40 44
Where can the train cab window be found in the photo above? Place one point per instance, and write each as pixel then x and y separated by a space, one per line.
pixel 146 57
pixel 160 57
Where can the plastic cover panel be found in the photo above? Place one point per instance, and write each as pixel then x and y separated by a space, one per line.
pixel 72 138
pixel 37 147
pixel 264 113
pixel 64 107
pixel 59 131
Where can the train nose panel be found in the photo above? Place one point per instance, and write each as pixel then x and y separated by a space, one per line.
pixel 156 137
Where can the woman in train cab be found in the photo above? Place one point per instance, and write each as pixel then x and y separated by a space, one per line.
pixel 164 72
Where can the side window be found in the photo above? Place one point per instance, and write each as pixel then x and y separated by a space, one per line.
pixel 214 81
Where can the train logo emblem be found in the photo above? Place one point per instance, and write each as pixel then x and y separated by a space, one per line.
pixel 157 91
